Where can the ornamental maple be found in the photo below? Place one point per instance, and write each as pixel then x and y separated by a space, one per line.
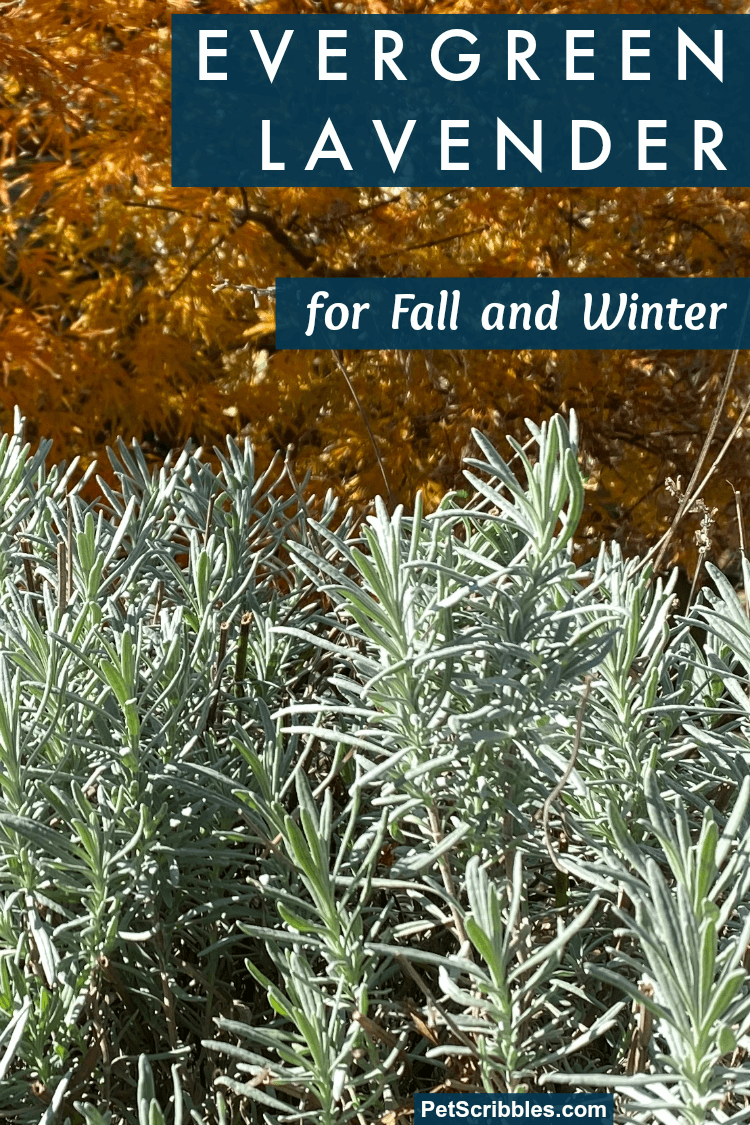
pixel 121 310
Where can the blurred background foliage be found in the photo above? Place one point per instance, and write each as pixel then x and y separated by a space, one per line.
pixel 119 313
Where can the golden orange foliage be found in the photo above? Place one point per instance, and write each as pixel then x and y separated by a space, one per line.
pixel 118 313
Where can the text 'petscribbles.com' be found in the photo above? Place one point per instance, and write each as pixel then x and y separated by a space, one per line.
pixel 432 1108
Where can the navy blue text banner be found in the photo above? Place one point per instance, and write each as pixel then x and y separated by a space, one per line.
pixel 431 1109
pixel 490 313
pixel 343 101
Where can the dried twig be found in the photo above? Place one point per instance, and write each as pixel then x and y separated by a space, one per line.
pixel 62 574
pixel 157 602
pixel 209 518
pixel 213 710
pixel 447 877
pixel 741 533
pixel 269 291
pixel 638 1054
pixel 340 364
pixel 547 806
pixel 426 990
pixel 688 495
pixel 239 670
pixel 740 519
pixel 69 546
pixel 694 490
pixel 28 554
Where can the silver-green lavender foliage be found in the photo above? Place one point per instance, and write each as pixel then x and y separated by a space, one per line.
pixel 300 816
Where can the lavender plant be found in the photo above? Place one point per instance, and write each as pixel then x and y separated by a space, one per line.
pixel 300 815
